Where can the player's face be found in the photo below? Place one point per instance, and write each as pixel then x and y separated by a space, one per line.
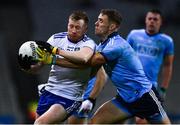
pixel 76 29
pixel 153 22
pixel 102 26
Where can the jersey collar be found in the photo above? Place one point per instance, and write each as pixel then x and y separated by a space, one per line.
pixel 76 41
pixel 109 36
pixel 152 34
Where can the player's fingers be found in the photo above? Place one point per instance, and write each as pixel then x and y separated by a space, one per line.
pixel 39 52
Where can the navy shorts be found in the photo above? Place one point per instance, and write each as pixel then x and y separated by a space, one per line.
pixel 148 107
pixel 47 99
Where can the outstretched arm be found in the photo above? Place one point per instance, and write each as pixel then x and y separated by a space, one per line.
pixel 66 63
pixel 81 56
pixel 96 60
pixel 84 56
pixel 88 104
pixel 47 58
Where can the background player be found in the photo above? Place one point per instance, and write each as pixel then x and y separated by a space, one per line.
pixel 154 49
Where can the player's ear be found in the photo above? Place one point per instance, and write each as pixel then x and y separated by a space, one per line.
pixel 86 28
pixel 112 26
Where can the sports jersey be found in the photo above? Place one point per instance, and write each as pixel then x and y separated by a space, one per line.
pixel 151 50
pixel 68 82
pixel 124 68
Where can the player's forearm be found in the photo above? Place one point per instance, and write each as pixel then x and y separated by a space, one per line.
pixel 65 63
pixel 97 60
pixel 101 79
pixel 167 71
pixel 166 76
pixel 81 57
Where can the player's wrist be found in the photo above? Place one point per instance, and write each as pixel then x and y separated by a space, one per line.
pixel 92 100
pixel 54 58
pixel 54 50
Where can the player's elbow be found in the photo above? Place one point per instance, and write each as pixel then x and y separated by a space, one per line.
pixel 84 60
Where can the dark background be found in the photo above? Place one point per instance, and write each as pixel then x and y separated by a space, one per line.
pixel 25 20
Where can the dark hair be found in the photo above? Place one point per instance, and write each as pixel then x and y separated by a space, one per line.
pixel 113 15
pixel 156 11
pixel 77 15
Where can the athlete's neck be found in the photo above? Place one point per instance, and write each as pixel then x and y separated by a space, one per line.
pixel 109 36
pixel 75 41
pixel 149 33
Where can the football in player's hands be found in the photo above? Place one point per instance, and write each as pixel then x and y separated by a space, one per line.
pixel 27 55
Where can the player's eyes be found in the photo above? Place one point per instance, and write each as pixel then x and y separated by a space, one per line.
pixel 70 26
pixel 99 20
pixel 155 19
pixel 78 27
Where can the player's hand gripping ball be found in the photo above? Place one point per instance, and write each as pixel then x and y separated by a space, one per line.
pixel 46 46
pixel 27 55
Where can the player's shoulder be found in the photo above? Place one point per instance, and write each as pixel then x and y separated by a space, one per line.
pixel 87 38
pixel 57 37
pixel 137 31
pixel 166 37
pixel 60 35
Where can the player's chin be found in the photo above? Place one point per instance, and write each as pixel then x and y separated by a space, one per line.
pixel 97 32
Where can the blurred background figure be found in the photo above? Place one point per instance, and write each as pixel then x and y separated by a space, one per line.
pixel 155 50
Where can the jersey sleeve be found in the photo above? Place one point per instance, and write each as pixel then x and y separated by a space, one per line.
pixel 51 40
pixel 111 52
pixel 91 44
pixel 129 38
pixel 170 47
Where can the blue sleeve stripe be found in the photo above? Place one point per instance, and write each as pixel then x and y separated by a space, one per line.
pixel 60 35
pixel 55 37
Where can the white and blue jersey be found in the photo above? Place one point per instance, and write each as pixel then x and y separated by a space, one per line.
pixel 68 82
pixel 151 50
pixel 124 68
